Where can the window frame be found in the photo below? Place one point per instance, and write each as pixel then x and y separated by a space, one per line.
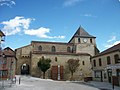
pixel 40 48
pixel 68 49
pixel 108 60
pixel 83 62
pixel 79 40
pixel 91 41
pixel 53 49
pixel 94 63
pixel 100 62
pixel 116 58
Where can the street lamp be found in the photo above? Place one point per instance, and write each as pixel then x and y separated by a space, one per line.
pixel 2 39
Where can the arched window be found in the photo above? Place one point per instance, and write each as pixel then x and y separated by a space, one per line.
pixel 94 63
pixel 53 49
pixel 56 59
pixel 78 40
pixel 116 57
pixel 100 62
pixel 68 49
pixel 83 62
pixel 91 41
pixel 40 48
pixel 108 60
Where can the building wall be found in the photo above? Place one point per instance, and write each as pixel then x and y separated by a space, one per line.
pixel 82 40
pixel 81 50
pixel 104 67
pixel 82 71
pixel 23 56
pixel 26 55
pixel 11 65
pixel 7 64
pixel 47 47
pixel 85 48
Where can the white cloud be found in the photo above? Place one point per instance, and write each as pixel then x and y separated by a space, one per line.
pixel 42 33
pixel 113 38
pixel 89 15
pixel 71 2
pixel 110 45
pixel 15 25
pixel 8 3
pixel 21 24
pixel 112 41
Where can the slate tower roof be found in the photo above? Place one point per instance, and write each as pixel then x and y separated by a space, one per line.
pixel 82 33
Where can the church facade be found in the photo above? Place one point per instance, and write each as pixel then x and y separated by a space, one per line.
pixel 82 46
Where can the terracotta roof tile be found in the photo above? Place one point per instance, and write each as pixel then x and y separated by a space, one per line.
pixel 8 52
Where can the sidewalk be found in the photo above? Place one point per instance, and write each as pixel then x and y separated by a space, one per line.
pixel 5 83
pixel 102 85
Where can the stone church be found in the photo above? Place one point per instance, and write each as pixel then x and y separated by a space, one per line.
pixel 82 46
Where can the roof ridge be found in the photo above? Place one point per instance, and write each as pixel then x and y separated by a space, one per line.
pixel 111 49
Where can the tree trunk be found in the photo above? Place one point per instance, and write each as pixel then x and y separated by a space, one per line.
pixel 71 76
pixel 43 75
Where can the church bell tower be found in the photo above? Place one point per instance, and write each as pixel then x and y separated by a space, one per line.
pixel 84 42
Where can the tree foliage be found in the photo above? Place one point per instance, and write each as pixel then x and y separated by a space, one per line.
pixel 73 64
pixel 44 65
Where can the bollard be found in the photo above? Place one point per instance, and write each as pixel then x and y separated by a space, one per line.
pixel 112 82
pixel 15 79
pixel 19 80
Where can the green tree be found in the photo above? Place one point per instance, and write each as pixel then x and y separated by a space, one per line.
pixel 73 64
pixel 44 65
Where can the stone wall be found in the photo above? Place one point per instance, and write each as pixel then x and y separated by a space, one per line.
pixel 47 47
pixel 82 71
pixel 23 56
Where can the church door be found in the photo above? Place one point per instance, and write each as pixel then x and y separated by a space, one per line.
pixel 57 72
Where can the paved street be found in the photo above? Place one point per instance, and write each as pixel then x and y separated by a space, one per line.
pixel 30 83
pixel 102 85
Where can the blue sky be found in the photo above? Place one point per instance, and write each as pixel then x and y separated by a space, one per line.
pixel 57 20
